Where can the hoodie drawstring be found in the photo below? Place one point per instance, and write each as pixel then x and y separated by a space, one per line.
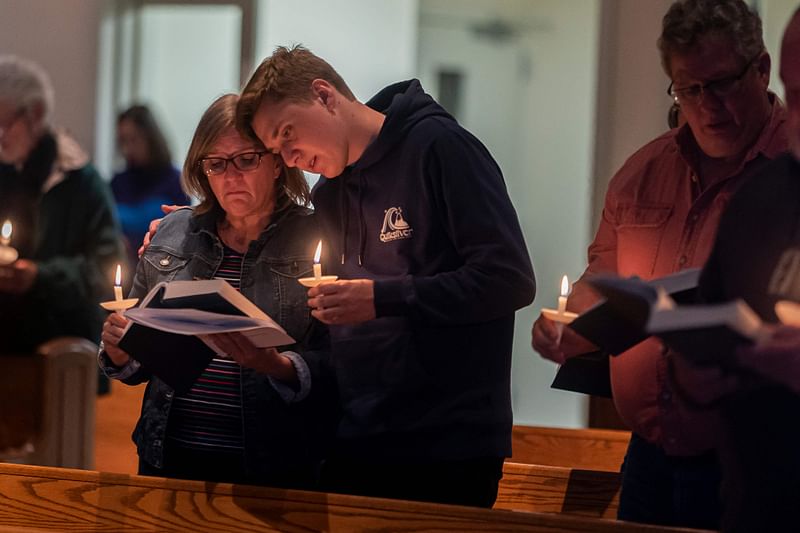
pixel 344 206
pixel 344 217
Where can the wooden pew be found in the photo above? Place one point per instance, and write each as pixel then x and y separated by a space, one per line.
pixel 589 449
pixel 556 489
pixel 47 404
pixel 53 499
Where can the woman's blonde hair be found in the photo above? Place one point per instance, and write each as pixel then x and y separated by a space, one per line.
pixel 291 185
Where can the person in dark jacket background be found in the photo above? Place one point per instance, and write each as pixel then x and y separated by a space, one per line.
pixel 62 217
pixel 432 266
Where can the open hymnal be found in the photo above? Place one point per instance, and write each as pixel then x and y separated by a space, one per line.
pixel 168 333
pixel 707 334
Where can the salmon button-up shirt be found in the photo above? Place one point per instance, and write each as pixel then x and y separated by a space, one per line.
pixel 658 220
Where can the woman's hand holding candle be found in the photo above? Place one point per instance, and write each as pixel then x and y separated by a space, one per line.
pixel 118 303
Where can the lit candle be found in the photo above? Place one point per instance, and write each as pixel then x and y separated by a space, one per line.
pixel 7 254
pixel 561 315
pixel 118 304
pixel 118 285
pixel 317 265
pixel 562 299
pixel 318 277
pixel 5 233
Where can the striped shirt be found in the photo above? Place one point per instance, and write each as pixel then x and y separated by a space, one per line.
pixel 209 416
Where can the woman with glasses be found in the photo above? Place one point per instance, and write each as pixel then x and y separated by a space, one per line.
pixel 248 418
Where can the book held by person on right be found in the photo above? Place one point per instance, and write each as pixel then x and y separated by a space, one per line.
pixel 169 332
pixel 618 322
pixel 634 309
pixel 707 334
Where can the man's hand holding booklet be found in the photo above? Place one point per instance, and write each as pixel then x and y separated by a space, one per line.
pixel 616 324
pixel 169 332
pixel 704 333
pixel 619 321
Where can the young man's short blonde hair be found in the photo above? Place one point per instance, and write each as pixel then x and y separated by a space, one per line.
pixel 286 75
pixel 291 185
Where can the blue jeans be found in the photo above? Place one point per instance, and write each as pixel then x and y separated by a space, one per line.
pixel 669 491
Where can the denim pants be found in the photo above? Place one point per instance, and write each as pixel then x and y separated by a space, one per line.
pixel 669 490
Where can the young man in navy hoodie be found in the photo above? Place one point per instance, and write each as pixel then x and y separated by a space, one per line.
pixel 432 265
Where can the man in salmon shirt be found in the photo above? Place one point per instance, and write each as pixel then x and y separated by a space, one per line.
pixel 661 214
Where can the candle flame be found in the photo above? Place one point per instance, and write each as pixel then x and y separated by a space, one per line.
pixel 6 231
pixel 318 253
pixel 118 277
pixel 564 286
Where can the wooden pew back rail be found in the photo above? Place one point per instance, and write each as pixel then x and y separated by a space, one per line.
pixel 590 449
pixel 51 499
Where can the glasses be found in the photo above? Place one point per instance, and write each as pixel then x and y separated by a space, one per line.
pixel 247 161
pixel 8 124
pixel 721 88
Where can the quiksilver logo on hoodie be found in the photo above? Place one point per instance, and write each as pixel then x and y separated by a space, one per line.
pixel 394 225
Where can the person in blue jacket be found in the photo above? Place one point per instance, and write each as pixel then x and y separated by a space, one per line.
pixel 149 179
pixel 432 266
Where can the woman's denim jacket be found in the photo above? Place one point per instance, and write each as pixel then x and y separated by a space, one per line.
pixel 283 439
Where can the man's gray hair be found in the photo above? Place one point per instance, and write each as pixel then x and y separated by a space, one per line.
pixel 25 84
pixel 687 21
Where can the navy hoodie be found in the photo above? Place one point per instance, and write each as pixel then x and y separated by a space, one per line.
pixel 425 213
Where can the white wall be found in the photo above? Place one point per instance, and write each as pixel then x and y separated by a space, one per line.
pixel 632 101
pixel 62 38
pixel 202 65
pixel 553 190
pixel 775 15
pixel 370 43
